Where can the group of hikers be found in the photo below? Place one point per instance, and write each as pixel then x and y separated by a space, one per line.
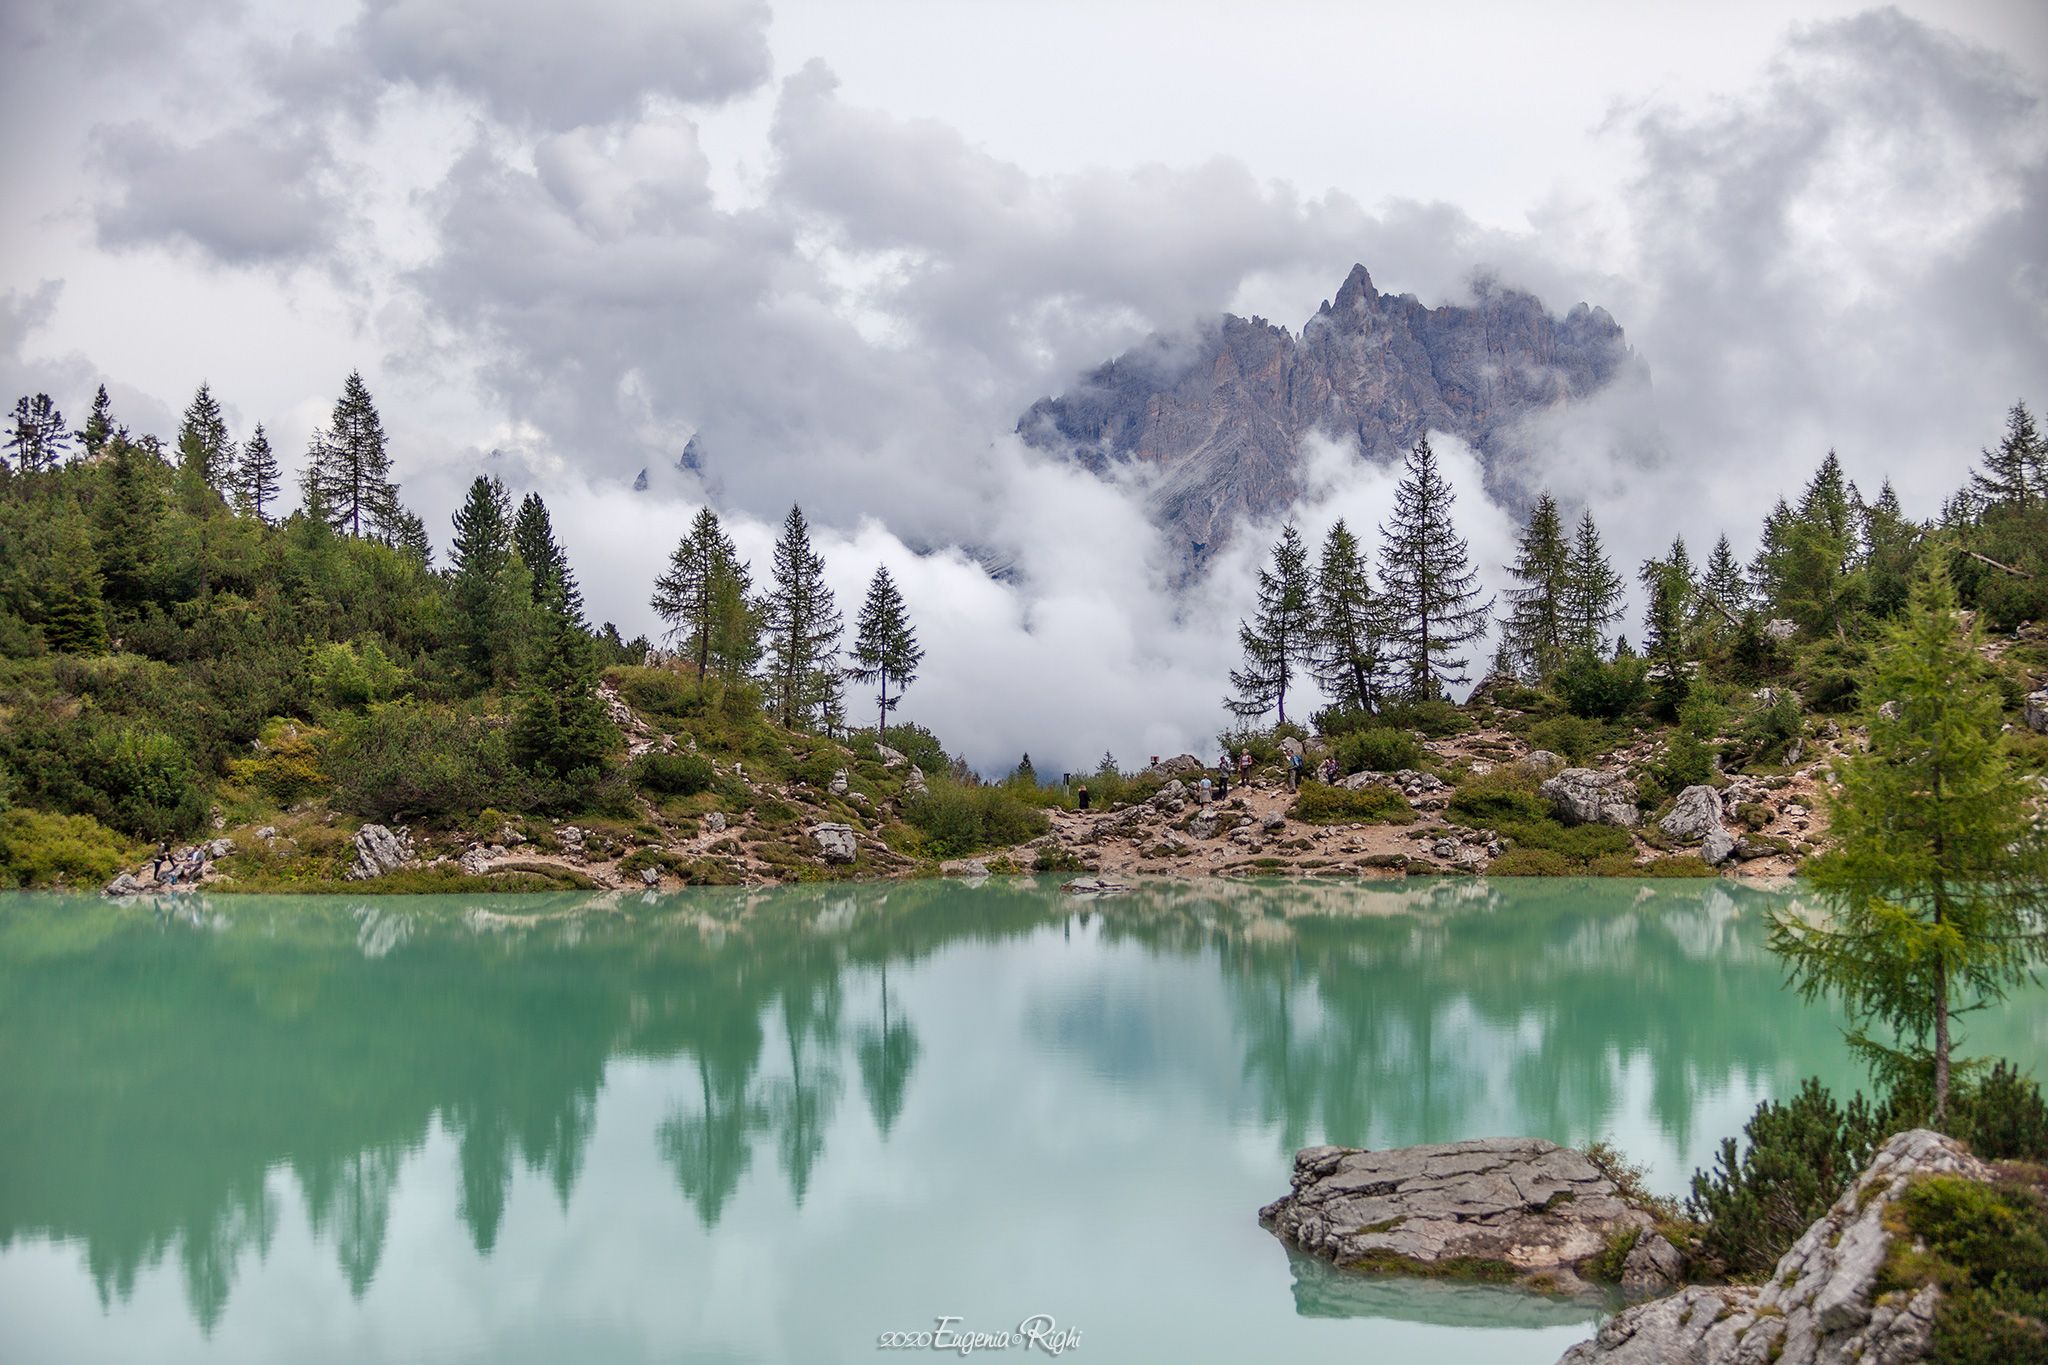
pixel 1217 788
pixel 169 868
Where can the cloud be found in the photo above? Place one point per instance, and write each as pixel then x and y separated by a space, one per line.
pixel 541 64
pixel 244 196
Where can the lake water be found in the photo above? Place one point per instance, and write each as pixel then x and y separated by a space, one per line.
pixel 775 1125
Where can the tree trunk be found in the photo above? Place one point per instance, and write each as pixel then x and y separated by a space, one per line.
pixel 882 714
pixel 1940 1040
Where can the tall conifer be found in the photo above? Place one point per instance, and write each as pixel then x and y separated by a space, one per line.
pixel 885 648
pixel 803 625
pixel 1536 632
pixel 1434 607
pixel 1348 641
pixel 1279 641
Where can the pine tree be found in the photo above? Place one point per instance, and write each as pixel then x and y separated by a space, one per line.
pixel 696 596
pixel 1808 568
pixel 256 476
pixel 803 624
pixel 561 729
pixel 1671 589
pixel 1536 632
pixel 1934 881
pixel 204 450
pixel 1280 640
pixel 483 558
pixel 409 537
pixel 1593 589
pixel 885 647
pixel 1434 607
pixel 67 594
pixel 99 425
pixel 1347 627
pixel 39 438
pixel 2016 474
pixel 350 468
pixel 533 534
pixel 1891 549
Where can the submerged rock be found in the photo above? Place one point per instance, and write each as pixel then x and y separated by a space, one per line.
pixel 1511 1208
pixel 1821 1306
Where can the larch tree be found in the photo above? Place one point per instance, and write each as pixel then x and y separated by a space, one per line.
pixel 1536 632
pixel 126 526
pixel 885 648
pixel 1434 606
pixel 803 625
pixel 1593 589
pixel 702 591
pixel 1932 889
pixel 1279 641
pixel 38 438
pixel 1667 615
pixel 350 467
pixel 1347 647
pixel 1809 566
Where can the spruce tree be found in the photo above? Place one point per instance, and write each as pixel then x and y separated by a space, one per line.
pixel 696 595
pixel 1670 586
pixel 1809 567
pixel 1724 590
pixel 1891 549
pixel 533 534
pixel 350 468
pixel 483 557
pixel 99 425
pixel 803 625
pixel 204 450
pixel 885 648
pixel 1434 608
pixel 2016 474
pixel 127 526
pixel 67 593
pixel 1280 640
pixel 39 438
pixel 1346 657
pixel 1536 633
pixel 561 728
pixel 256 476
pixel 409 537
pixel 1593 589
pixel 1934 881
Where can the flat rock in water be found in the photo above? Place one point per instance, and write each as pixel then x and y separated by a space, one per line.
pixel 1095 886
pixel 1518 1208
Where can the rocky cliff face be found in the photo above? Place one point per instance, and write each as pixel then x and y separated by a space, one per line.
pixel 1220 416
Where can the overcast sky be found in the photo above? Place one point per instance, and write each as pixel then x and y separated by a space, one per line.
pixel 847 243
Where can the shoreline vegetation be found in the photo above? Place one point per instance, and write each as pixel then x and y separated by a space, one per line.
pixel 197 691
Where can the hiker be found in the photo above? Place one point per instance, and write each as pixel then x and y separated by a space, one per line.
pixel 163 855
pixel 1081 797
pixel 1223 776
pixel 1330 768
pixel 1244 767
pixel 1206 788
pixel 1293 770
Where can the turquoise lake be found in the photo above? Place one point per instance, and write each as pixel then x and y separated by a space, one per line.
pixel 774 1125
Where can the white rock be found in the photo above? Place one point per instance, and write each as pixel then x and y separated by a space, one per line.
pixel 836 842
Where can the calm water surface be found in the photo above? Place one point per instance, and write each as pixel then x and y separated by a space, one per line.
pixel 772 1126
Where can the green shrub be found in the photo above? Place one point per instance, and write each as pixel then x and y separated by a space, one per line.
pixel 286 765
pixel 38 849
pixel 1576 737
pixel 957 819
pixel 673 774
pixel 1532 862
pixel 1377 749
pixel 1987 1247
pixel 1767 733
pixel 349 676
pixel 2002 1116
pixel 1436 718
pixel 1797 1159
pixel 1333 721
pixel 1498 797
pixel 1672 865
pixel 1322 804
pixel 404 761
pixel 1599 689
pixel 1264 744
pixel 146 781
pixel 1580 843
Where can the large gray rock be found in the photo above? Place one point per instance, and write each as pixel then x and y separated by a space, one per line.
pixel 1543 762
pixel 1531 1205
pixel 1718 847
pixel 1821 1307
pixel 380 851
pixel 2037 711
pixel 1180 765
pixel 1697 811
pixel 914 783
pixel 836 842
pixel 1592 796
pixel 123 885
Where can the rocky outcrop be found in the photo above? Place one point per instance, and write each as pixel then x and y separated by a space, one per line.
pixel 1591 796
pixel 1821 1307
pixel 836 842
pixel 1697 817
pixel 1220 416
pixel 1536 1208
pixel 380 851
pixel 2037 711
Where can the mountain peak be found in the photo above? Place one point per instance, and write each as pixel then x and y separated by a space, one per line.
pixel 1357 288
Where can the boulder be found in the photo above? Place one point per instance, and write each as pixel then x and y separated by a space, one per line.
pixel 914 784
pixel 836 842
pixel 1822 1305
pixel 2037 711
pixel 1538 1209
pixel 1095 886
pixel 1697 811
pixel 714 822
pixel 1718 847
pixel 1205 825
pixel 650 875
pixel 1590 796
pixel 1544 763
pixel 891 758
pixel 1172 798
pixel 380 851
pixel 1778 628
pixel 840 784
pixel 1180 765
pixel 123 885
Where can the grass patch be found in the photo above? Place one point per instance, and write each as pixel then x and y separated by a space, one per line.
pixel 39 849
pixel 1322 804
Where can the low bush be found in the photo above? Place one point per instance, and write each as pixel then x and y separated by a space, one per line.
pixel 1377 749
pixel 38 849
pixel 407 761
pixel 1497 797
pixel 1599 689
pixel 1579 843
pixel 673 774
pixel 1576 737
pixel 957 819
pixel 1322 804
pixel 1436 718
pixel 1987 1247
pixel 286 763
pixel 1532 862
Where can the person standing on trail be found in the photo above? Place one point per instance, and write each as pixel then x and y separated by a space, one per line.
pixel 1081 797
pixel 1207 788
pixel 1294 770
pixel 1244 767
pixel 1223 776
